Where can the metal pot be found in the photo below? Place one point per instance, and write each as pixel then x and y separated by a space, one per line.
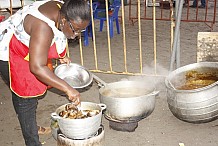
pixel 197 105
pixel 128 100
pixel 80 128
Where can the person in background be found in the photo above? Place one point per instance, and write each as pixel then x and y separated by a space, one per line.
pixel 185 3
pixel 101 4
pixel 28 39
pixel 194 5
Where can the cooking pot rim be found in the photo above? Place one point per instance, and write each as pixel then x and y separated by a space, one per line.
pixel 193 90
pixel 187 68
pixel 55 115
pixel 129 81
pixel 152 90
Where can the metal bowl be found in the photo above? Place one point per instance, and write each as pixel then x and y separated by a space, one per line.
pixel 74 74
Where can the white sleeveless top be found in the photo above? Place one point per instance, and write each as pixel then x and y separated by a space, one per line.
pixel 14 25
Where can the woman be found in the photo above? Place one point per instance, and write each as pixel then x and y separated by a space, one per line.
pixel 29 38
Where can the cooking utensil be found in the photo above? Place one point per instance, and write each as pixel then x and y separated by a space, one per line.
pixel 80 128
pixel 102 83
pixel 96 140
pixel 197 105
pixel 74 74
pixel 127 100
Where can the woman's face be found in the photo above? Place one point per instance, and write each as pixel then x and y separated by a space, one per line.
pixel 72 29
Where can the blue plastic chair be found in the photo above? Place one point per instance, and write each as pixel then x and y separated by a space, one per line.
pixel 88 32
pixel 114 9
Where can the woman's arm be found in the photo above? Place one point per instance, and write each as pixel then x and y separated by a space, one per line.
pixel 41 36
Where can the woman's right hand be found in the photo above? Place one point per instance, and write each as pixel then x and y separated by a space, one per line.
pixel 73 95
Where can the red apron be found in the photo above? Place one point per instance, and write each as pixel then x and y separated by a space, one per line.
pixel 22 81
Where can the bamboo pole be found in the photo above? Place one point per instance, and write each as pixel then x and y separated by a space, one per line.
pixel 155 37
pixel 124 37
pixel 11 7
pixel 93 33
pixel 140 36
pixel 172 25
pixel 108 36
pixel 81 51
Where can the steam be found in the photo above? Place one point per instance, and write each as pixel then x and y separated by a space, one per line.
pixel 149 77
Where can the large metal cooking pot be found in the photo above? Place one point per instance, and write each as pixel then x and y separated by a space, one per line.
pixel 128 100
pixel 74 74
pixel 80 128
pixel 197 105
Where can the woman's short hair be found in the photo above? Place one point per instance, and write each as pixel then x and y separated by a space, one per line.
pixel 77 10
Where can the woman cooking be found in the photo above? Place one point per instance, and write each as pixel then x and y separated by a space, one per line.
pixel 29 38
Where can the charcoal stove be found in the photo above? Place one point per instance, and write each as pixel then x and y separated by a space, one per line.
pixel 96 140
pixel 127 125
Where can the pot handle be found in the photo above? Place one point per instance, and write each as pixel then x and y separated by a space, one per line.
pixel 62 135
pixel 103 106
pixel 55 116
pixel 99 81
pixel 169 84
pixel 155 93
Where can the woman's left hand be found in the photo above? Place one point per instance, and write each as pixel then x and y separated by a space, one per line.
pixel 65 60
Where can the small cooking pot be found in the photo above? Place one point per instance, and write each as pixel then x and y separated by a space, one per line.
pixel 127 100
pixel 80 128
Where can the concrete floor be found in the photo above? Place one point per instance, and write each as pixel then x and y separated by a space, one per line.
pixel 161 128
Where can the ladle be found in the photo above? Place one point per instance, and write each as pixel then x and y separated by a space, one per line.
pixel 77 108
pixel 102 83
